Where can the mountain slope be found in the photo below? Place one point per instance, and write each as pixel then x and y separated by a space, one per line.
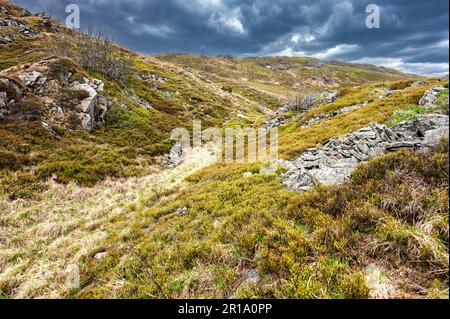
pixel 281 76
pixel 84 185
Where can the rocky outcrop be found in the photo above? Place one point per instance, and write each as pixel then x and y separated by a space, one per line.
pixel 141 102
pixel 329 97
pixel 62 103
pixel 21 26
pixel 94 106
pixel 334 162
pixel 32 79
pixel 282 110
pixel 3 103
pixel 275 122
pixel 431 96
pixel 153 78
pixel 87 105
pixel 175 157
pixel 316 64
pixel 10 93
pixel 419 83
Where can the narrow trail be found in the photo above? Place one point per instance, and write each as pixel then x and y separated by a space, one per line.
pixel 40 239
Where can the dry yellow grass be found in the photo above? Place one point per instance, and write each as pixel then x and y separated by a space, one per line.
pixel 40 239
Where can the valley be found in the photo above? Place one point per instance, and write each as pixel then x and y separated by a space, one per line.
pixel 357 206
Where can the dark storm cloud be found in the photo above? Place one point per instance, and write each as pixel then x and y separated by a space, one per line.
pixel 413 36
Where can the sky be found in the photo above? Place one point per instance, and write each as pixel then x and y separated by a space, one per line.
pixel 413 35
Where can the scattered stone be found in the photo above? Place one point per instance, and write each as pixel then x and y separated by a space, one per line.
pixel 313 120
pixel 329 97
pixel 216 223
pixel 390 92
pixel 251 278
pixel 9 22
pixel 27 31
pixel 181 211
pixel 47 127
pixel 281 67
pixel 247 174
pixel 3 100
pixel 26 13
pixel 334 162
pixel 96 84
pixel 333 114
pixel 31 78
pixel 282 110
pixel 153 77
pixel 275 122
pixel 327 79
pixel 350 108
pixel 419 83
pixel 141 102
pixel 12 85
pixel 241 116
pixel 148 229
pixel 101 255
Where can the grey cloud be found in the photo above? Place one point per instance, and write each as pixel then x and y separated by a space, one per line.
pixel 413 35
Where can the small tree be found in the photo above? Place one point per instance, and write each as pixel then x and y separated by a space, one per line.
pixel 95 51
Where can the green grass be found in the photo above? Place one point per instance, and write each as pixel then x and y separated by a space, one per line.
pixel 411 113
pixel 314 245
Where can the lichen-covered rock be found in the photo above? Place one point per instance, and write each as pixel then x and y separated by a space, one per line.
pixel 282 110
pixel 31 78
pixel 175 157
pixel 94 106
pixel 64 104
pixel 419 83
pixel 275 122
pixel 181 211
pixel 4 39
pixel 431 96
pixel 329 97
pixel 89 103
pixel 3 100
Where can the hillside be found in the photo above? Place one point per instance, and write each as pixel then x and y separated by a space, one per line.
pixel 284 76
pixel 84 180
